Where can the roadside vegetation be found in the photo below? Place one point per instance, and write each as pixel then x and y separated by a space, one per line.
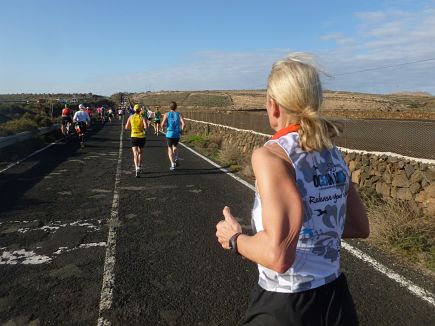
pixel 19 113
pixel 397 227
pixel 223 153
pixel 402 229
pixel 15 118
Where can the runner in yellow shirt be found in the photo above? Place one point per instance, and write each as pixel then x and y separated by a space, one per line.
pixel 138 125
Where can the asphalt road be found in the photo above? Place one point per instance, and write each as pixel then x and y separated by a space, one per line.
pixel 169 269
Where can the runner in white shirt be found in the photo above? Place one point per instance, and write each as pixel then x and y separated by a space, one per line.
pixel 82 120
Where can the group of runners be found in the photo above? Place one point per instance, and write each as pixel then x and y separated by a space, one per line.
pixel 82 119
pixel 139 121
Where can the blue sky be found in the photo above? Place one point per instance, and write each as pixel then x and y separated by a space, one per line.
pixel 50 46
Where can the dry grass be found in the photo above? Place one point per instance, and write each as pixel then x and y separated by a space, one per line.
pixel 229 154
pixel 256 101
pixel 402 229
pixel 214 141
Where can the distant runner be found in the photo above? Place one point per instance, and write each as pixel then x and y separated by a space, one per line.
pixel 157 117
pixel 110 114
pixel 89 111
pixel 175 125
pixel 82 120
pixel 100 114
pixel 138 127
pixel 66 120
pixel 150 115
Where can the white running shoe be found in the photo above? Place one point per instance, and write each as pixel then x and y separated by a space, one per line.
pixel 172 168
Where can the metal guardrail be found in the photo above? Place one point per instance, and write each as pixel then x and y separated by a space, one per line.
pixel 10 140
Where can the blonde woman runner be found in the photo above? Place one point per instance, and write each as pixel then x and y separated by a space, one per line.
pixel 305 204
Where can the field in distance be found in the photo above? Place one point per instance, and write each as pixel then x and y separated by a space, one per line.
pixel 409 106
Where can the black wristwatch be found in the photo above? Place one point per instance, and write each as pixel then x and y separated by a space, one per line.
pixel 233 243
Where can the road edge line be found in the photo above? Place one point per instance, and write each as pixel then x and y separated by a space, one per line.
pixel 29 156
pixel 415 289
pixel 108 284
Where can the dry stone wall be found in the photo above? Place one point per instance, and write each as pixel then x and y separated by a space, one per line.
pixel 388 174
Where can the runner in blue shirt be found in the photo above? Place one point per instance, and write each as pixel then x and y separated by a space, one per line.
pixel 175 125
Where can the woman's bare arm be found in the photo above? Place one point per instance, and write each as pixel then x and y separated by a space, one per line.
pixel 183 124
pixel 164 121
pixel 127 124
pixel 282 213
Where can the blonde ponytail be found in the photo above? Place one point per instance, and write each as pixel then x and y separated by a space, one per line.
pixel 294 84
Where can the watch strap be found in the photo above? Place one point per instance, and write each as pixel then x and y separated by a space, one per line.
pixel 233 243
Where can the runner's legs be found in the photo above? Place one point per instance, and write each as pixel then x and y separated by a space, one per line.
pixel 135 150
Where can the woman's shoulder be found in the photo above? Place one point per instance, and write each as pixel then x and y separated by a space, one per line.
pixel 268 153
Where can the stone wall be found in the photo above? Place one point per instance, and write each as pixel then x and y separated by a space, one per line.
pixel 394 176
pixel 388 174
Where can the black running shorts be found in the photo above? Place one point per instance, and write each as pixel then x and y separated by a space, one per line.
pixel 65 120
pixel 330 304
pixel 137 142
pixel 82 126
pixel 172 141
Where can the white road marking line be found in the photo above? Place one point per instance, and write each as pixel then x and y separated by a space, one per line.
pixel 109 262
pixel 81 246
pixel 28 156
pixel 402 281
pixel 54 226
pixel 29 257
pixel 418 291
pixel 23 256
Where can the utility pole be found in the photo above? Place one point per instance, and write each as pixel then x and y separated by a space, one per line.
pixel 51 108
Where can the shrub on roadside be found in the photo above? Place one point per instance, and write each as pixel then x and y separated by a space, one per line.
pixel 42 120
pixel 27 122
pixel 17 126
pixel 197 140
pixel 216 140
pixel 229 154
pixel 403 227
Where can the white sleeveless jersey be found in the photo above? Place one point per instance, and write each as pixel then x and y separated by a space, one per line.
pixel 322 179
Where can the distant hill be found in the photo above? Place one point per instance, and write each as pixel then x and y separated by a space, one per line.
pixel 413 93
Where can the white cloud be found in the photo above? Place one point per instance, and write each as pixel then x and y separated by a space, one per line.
pixel 385 38
pixel 207 70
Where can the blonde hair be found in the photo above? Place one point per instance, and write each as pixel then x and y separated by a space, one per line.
pixel 294 84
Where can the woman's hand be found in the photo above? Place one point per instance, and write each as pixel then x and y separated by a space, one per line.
pixel 226 228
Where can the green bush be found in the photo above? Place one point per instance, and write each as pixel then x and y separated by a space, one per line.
pixel 17 126
pixel 42 120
